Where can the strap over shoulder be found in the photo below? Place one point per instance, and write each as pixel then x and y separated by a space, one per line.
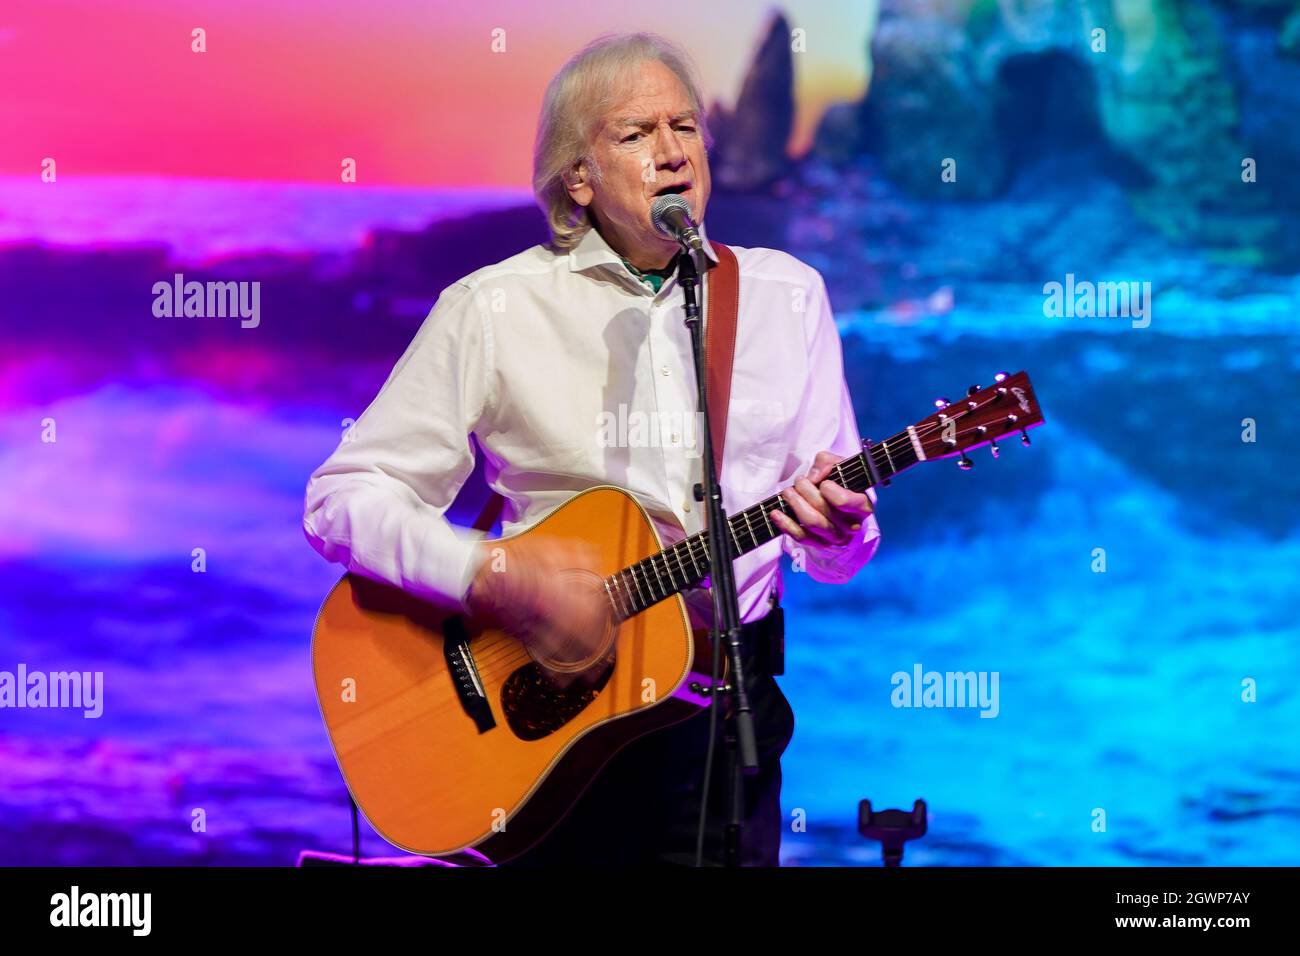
pixel 722 309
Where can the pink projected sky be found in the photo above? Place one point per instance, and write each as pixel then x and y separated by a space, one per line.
pixel 411 90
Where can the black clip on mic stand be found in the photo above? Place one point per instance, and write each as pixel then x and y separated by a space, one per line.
pixel 726 605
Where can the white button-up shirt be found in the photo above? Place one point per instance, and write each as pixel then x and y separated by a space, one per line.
pixel 572 372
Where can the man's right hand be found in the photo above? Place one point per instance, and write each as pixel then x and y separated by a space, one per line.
pixel 523 590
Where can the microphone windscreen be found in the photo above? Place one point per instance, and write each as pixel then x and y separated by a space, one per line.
pixel 669 214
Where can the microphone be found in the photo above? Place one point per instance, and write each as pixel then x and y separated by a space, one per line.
pixel 671 216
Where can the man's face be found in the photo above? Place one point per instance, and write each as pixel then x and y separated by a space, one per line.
pixel 648 142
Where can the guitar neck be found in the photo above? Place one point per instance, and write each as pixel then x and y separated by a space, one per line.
pixel 686 563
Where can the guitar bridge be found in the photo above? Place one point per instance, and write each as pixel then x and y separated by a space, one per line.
pixel 465 675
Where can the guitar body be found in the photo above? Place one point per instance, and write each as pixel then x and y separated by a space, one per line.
pixel 444 730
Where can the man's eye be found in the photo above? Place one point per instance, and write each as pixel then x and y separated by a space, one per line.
pixel 630 137
pixel 687 128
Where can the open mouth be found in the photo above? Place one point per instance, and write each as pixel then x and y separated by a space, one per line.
pixel 676 190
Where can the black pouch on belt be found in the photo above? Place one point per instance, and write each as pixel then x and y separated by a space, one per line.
pixel 769 649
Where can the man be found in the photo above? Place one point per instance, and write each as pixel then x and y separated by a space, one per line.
pixel 532 356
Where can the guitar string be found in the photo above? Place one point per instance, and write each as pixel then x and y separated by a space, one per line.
pixel 696 545
pixel 856 468
pixel 631 595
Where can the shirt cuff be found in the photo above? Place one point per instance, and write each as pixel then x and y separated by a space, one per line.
pixel 467 557
pixel 834 564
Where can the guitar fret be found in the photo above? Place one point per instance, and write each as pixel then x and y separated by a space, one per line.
pixel 668 571
pixel 753 540
pixel 734 540
pixel 651 577
pixel 690 549
pixel 624 608
pixel 859 470
pixel 637 584
pixel 888 457
pixel 626 595
pixel 611 586
pixel 668 566
pixel 686 578
pixel 633 592
pixel 645 569
pixel 620 589
pixel 659 577
pixel 618 611
pixel 649 564
pixel 767 520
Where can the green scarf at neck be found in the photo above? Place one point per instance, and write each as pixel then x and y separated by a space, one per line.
pixel 654 278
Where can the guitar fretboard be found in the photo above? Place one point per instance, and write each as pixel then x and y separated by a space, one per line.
pixel 686 563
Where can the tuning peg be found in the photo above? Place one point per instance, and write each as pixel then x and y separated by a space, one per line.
pixel 964 463
pixel 1024 439
pixel 941 403
pixel 993 448
pixel 1001 377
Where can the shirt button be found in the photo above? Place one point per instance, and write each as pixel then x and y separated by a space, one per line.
pixel 666 370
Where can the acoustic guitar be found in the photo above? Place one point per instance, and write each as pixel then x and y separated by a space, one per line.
pixel 449 734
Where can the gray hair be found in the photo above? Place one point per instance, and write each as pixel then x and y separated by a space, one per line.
pixel 590 84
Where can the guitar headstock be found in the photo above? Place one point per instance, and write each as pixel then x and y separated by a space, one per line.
pixel 1008 406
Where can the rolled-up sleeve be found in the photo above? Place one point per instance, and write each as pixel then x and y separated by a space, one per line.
pixel 377 505
pixel 826 422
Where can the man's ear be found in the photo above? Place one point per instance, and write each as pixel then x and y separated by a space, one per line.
pixel 578 183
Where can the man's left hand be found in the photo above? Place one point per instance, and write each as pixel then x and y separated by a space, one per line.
pixel 827 513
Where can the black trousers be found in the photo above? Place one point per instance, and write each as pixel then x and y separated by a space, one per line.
pixel 643 809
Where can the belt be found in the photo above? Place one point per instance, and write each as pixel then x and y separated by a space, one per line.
pixel 763 642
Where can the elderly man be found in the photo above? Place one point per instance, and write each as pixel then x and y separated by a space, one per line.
pixel 530 354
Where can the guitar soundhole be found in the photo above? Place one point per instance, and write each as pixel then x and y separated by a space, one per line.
pixel 576 660
pixel 535 708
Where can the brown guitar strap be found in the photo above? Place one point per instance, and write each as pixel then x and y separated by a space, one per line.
pixel 721 310
pixel 720 343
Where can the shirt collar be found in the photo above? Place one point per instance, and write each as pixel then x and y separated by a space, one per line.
pixel 592 250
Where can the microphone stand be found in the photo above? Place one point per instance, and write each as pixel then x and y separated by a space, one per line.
pixel 726 605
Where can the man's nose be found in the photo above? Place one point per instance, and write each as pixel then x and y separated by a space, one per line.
pixel 671 153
